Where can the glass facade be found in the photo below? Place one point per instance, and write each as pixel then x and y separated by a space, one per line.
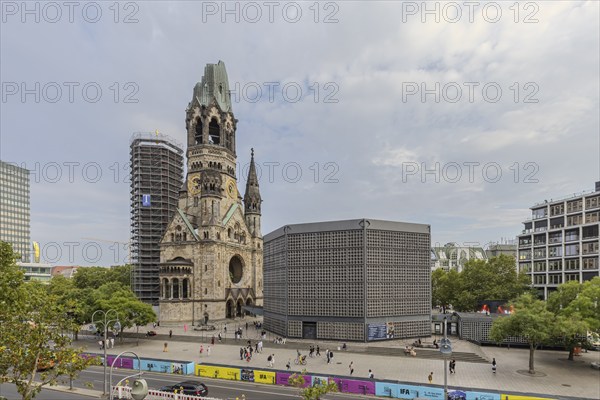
pixel 14 208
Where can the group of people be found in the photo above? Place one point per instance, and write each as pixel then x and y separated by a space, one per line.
pixel 410 350
pixel 109 343
pixel 314 352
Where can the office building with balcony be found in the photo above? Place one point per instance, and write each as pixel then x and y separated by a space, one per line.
pixel 454 257
pixel 356 280
pixel 156 179
pixel 14 209
pixel 560 242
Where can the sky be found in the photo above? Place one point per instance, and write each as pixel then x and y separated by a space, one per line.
pixel 454 114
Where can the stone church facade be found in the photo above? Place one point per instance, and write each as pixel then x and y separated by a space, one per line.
pixel 211 253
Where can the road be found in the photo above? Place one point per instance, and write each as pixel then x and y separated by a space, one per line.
pixel 10 392
pixel 222 389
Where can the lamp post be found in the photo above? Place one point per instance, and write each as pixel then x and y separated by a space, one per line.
pixel 139 374
pixel 104 318
pixel 446 350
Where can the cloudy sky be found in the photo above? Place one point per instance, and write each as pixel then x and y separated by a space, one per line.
pixel 457 116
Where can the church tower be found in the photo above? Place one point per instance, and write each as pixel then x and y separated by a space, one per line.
pixel 211 252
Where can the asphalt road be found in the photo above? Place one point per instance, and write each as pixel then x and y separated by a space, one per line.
pixel 10 392
pixel 229 390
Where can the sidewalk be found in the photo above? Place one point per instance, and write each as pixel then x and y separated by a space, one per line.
pixel 562 377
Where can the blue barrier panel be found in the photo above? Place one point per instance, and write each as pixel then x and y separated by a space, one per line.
pixel 385 389
pixel 482 396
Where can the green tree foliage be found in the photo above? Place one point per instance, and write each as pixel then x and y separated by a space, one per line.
pixel 94 277
pixel 131 311
pixel 312 392
pixel 577 310
pixel 531 320
pixel 480 280
pixel 443 287
pixel 35 349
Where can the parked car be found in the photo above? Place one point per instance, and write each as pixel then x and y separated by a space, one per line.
pixel 187 387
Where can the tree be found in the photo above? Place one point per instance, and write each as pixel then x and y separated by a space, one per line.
pixel 94 277
pixel 530 320
pixel 577 310
pixel 444 286
pixel 35 350
pixel 312 392
pixel 481 280
pixel 130 309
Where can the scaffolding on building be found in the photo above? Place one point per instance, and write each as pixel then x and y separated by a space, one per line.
pixel 156 179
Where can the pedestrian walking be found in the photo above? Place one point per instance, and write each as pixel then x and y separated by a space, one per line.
pixel 241 353
pixel 185 327
pixel 453 363
pixel 351 367
pixel 430 377
pixel 494 365
pixel 212 341
pixel 318 351
pixel 208 351
pixel 101 344
pixel 170 333
pixel 112 342
pixel 219 337
pixel 270 359
pixel 165 349
pixel 107 343
pixel 289 364
pixel 371 375
pixel 327 355
pixel 201 350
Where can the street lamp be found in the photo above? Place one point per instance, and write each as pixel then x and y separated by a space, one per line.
pixel 446 350
pixel 104 318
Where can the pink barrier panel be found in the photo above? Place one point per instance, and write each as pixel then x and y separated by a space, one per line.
pixel 281 378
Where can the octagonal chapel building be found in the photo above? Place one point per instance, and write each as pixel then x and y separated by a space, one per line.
pixel 211 253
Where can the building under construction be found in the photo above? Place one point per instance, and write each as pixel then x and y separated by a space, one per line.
pixel 156 178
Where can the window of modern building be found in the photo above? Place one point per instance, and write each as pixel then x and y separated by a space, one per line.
pixel 555 237
pixel 589 232
pixel 539 239
pixel 572 250
pixel 557 209
pixel 525 255
pixel 556 223
pixel 539 279
pixel 539 266
pixel 555 265
pixel 571 277
pixel 572 235
pixel 589 248
pixel 555 279
pixel 572 264
pixel 540 213
pixel 555 251
pixel 574 205
pixel 573 220
pixel 539 253
pixel 592 202
pixel 591 217
pixel 591 263
pixel 525 241
pixel 524 267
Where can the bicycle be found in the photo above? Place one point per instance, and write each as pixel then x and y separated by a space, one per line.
pixel 301 360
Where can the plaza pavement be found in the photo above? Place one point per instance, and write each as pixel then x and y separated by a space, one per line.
pixel 559 377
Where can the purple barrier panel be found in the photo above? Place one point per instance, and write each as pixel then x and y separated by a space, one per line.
pixel 122 362
pixel 360 387
pixel 342 384
pixel 281 378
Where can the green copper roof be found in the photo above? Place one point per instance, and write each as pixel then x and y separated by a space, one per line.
pixel 214 84
pixel 229 213
pixel 187 223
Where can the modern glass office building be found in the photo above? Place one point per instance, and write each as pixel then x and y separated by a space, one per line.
pixel 14 209
pixel 560 242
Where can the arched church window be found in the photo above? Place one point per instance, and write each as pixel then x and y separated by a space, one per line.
pixel 175 289
pixel 198 135
pixel 214 132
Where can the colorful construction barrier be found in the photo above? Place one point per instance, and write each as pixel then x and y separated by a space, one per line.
pixel 233 374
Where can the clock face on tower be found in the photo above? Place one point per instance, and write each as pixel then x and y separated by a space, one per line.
pixel 194 185
pixel 231 189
